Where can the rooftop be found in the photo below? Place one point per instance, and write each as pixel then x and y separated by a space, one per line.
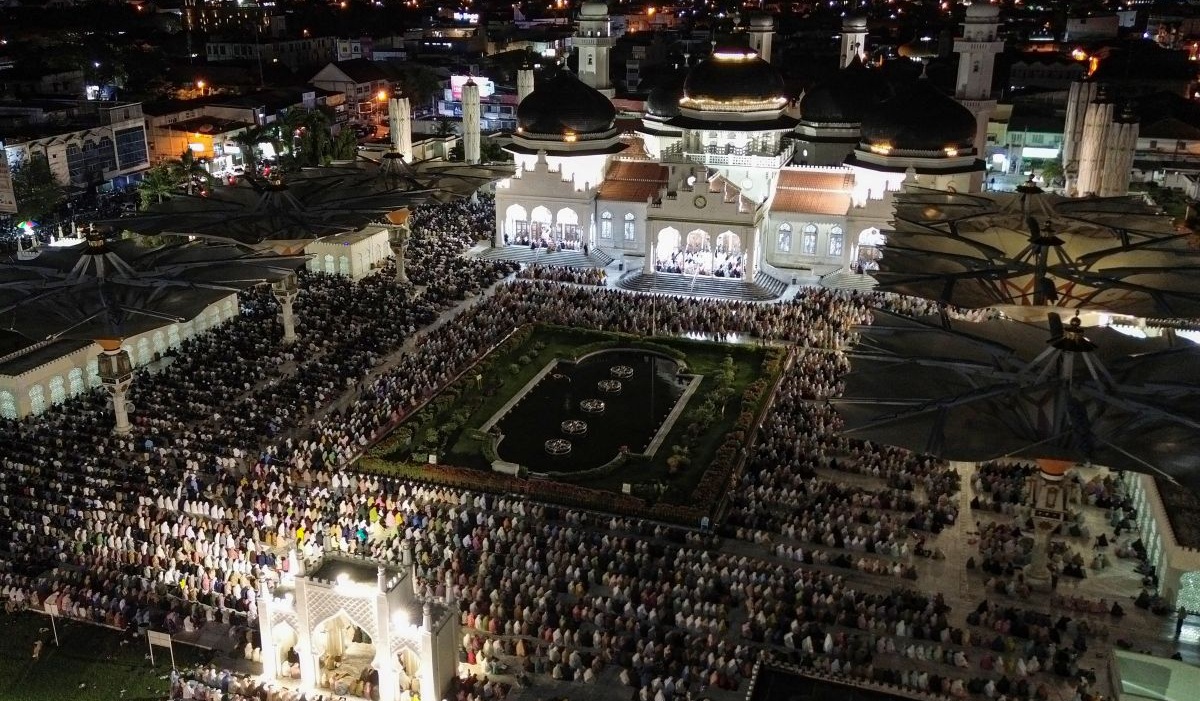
pixel 809 192
pixel 633 181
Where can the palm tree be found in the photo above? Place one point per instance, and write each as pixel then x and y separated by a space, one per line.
pixel 158 184
pixel 187 169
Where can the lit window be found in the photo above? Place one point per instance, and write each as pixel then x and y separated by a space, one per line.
pixel 784 242
pixel 606 225
pixel 808 241
pixel 630 234
pixel 836 241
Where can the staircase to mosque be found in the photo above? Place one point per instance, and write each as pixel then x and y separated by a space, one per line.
pixel 764 288
pixel 846 280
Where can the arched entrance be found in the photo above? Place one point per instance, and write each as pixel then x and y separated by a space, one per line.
pixel 516 225
pixel 729 258
pixel 867 253
pixel 566 228
pixel 408 671
pixel 344 652
pixel 540 224
pixel 284 640
pixel 666 244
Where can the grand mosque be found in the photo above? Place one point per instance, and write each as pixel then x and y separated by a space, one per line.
pixel 723 174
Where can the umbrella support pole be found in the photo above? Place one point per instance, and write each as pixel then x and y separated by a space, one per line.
pixel 120 409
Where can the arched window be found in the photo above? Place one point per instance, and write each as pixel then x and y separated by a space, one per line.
pixel 330 265
pixel 8 405
pixel 93 372
pixel 58 390
pixel 837 241
pixel 808 240
pixel 145 355
pixel 784 242
pixel 344 265
pixel 630 232
pixel 606 225
pixel 37 399
pixel 75 379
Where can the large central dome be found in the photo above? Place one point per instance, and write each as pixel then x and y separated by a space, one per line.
pixel 919 118
pixel 846 98
pixel 733 78
pixel 565 105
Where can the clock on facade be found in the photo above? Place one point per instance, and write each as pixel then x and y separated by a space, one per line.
pixel 700 201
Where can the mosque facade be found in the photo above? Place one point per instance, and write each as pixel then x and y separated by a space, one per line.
pixel 723 174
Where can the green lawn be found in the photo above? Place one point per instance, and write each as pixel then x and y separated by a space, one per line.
pixel 473 401
pixel 90 665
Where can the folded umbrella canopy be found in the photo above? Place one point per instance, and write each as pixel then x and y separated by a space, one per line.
pixel 310 204
pixel 1030 248
pixel 978 391
pixel 102 289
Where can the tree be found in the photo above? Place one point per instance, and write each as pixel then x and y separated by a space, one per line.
pixel 444 127
pixel 158 184
pixel 345 145
pixel 38 192
pixel 1051 171
pixel 308 137
pixel 187 169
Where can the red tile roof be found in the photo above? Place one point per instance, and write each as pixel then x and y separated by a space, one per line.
pixel 813 192
pixel 633 181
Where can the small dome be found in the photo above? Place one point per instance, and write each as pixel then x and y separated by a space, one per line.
pixel 847 97
pixel 919 118
pixel 982 10
pixel 565 104
pixel 663 99
pixel 733 74
pixel 854 22
pixel 762 22
pixel 594 9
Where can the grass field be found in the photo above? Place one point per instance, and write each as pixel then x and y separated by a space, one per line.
pixel 90 665
pixel 447 425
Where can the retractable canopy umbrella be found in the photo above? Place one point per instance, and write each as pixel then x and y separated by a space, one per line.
pixel 979 391
pixel 1030 248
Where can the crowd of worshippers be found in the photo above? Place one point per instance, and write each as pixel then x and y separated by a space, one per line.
pixel 175 527
pixel 564 273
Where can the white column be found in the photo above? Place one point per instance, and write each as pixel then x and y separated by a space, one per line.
pixel 120 408
pixel 270 655
pixel 1095 145
pixel 400 126
pixel 289 319
pixel 470 100
pixel 524 83
pixel 762 35
pixel 1082 93
pixel 854 39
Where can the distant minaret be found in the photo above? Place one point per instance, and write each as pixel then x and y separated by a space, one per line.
pixel 594 40
pixel 400 127
pixel 1082 93
pixel 524 82
pixel 762 35
pixel 977 49
pixel 854 39
pixel 470 102
pixel 1094 149
pixel 1118 162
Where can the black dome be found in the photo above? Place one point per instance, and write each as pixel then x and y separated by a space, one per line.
pixel 565 104
pixel 919 118
pixel 733 73
pixel 847 97
pixel 663 99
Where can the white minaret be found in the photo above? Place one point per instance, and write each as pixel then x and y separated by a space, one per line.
pixel 854 39
pixel 1094 149
pixel 1082 93
pixel 1118 162
pixel 470 102
pixel 594 40
pixel 400 127
pixel 524 82
pixel 762 35
pixel 977 49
